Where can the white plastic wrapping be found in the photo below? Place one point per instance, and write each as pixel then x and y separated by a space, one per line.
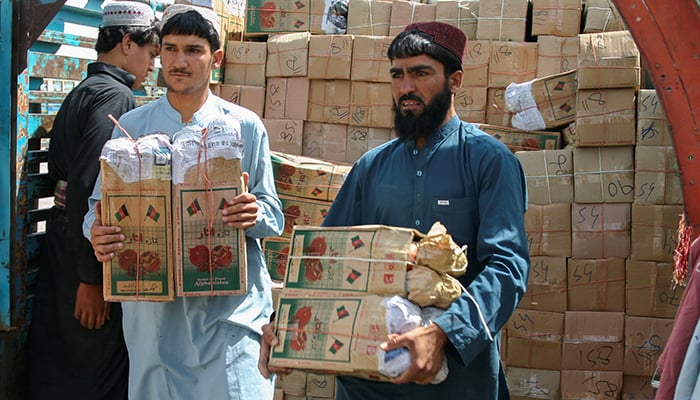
pixel 154 151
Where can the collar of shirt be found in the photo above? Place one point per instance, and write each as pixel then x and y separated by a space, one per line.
pixel 441 133
pixel 117 73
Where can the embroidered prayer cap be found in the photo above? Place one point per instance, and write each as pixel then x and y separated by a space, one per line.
pixel 445 35
pixel 127 13
pixel 179 8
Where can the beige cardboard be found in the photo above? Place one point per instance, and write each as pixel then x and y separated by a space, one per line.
pixel 275 252
pixel 496 114
pixel 502 20
pixel 371 104
pixel 250 97
pixel 369 59
pixel 548 230
pixel 470 104
pixel 463 14
pixel 549 175
pixel 293 384
pixel 556 17
pixel 476 63
pixel 556 54
pixel 287 98
pixel 534 339
pixel 300 211
pixel 645 340
pixel 568 134
pixel 591 385
pixel 596 284
pixel 330 56
pixel 593 341
pixel 656 176
pixel 518 140
pixel 603 174
pixel 245 63
pixel 542 103
pixel 637 388
pixel 404 13
pixel 530 383
pixel 288 55
pixel 608 60
pixel 320 385
pixel 653 128
pixel 327 141
pixel 360 139
pixel 655 231
pixel 369 17
pixel 602 16
pixel 283 16
pixel 600 230
pixel 329 101
pixel 546 285
pixel 285 134
pixel 307 177
pixel 649 290
pixel 605 117
pixel 512 62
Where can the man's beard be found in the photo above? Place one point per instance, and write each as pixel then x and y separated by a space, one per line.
pixel 410 127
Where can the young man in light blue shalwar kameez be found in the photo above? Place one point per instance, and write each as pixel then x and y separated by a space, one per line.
pixel 199 347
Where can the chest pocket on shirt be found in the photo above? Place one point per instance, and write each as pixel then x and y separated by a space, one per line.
pixel 449 208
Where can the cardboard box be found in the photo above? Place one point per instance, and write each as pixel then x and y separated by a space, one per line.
pixel 593 341
pixel 476 63
pixel 371 104
pixel 534 339
pixel 608 60
pixel 300 211
pixel 556 54
pixel 369 59
pixel 653 128
pixel 496 114
pixel 542 103
pixel 329 101
pixel 645 340
pixel 245 63
pixel 529 383
pixel 320 385
pixel 512 62
pixel 657 179
pixel 518 140
pixel 600 230
pixel 502 20
pixel 330 56
pixel 404 13
pixel 360 139
pixel 649 290
pixel 294 384
pixel 546 285
pixel 603 174
pixel 548 229
pixel 470 104
pixel 605 117
pixel 138 200
pixel 210 256
pixel 279 16
pixel 596 284
pixel 568 134
pixel 369 17
pixel 602 16
pixel 285 134
pixel 275 252
pixel 637 388
pixel 287 98
pixel 307 177
pixel 326 141
pixel 556 17
pixel 464 14
pixel 591 385
pixel 288 55
pixel 351 261
pixel 250 97
pixel 549 175
pixel 655 231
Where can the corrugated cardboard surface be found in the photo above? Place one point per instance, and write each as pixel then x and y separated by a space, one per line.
pixel 556 54
pixel 645 340
pixel 596 284
pixel 549 175
pixel 362 138
pixel 652 126
pixel 546 286
pixel 326 141
pixel 307 177
pixel 556 17
pixel 476 63
pixel 285 135
pixel 649 290
pixel 604 174
pixel 287 98
pixel 656 175
pixel 245 63
pixel 288 55
pixel 369 17
pixel 517 139
pixel 330 56
pixel 270 16
pixel 371 104
pixel 502 20
pixel 591 385
pixel 593 341
pixel 470 104
pixel 546 102
pixel 329 101
pixel 600 230
pixel 605 117
pixel 512 62
pixel 608 60
pixel 548 229
pixel 463 14
pixel 654 231
pixel 534 339
pixel 250 97
pixel 527 383
pixel 299 211
pixel 369 60
pixel 407 12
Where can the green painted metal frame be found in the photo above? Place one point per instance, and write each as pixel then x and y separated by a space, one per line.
pixel 668 36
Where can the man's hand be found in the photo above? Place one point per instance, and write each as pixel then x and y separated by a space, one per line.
pixel 242 211
pixel 427 347
pixel 90 308
pixel 105 239
pixel 269 340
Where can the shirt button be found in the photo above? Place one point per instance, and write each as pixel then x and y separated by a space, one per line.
pixel 419 173
pixel 417 222
pixel 415 152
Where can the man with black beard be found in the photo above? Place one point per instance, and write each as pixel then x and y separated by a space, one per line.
pixel 441 169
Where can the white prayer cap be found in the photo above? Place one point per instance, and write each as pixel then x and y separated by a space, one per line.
pixel 206 13
pixel 127 13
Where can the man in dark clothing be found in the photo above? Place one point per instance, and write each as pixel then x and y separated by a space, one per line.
pixel 76 346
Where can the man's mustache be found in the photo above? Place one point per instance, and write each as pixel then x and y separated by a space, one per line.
pixel 179 71
pixel 407 97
